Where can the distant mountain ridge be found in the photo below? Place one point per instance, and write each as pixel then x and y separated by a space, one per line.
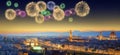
pixel 75 33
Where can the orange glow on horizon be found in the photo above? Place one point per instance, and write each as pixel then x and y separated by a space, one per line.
pixel 30 30
pixel 53 26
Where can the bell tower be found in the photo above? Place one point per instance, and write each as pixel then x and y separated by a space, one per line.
pixel 100 36
pixel 70 36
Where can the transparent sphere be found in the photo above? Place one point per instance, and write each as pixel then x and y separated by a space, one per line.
pixel 47 17
pixel 8 3
pixel 50 5
pixel 62 5
pixel 22 13
pixel 68 12
pixel 17 12
pixel 10 14
pixel 16 4
pixel 82 9
pixel 70 19
pixel 58 13
pixel 56 8
pixel 45 13
pixel 39 18
pixel 32 9
pixel 73 11
pixel 41 6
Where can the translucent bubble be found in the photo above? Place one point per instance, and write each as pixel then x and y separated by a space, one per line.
pixel 22 13
pixel 10 14
pixel 32 9
pixel 17 11
pixel 58 13
pixel 50 5
pixel 73 11
pixel 46 13
pixel 56 8
pixel 39 18
pixel 47 17
pixel 41 5
pixel 68 12
pixel 62 5
pixel 8 3
pixel 82 9
pixel 16 4
pixel 70 19
pixel 43 12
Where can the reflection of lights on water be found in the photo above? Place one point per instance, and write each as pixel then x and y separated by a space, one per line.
pixel 10 14
pixel 82 9
pixel 32 9
pixel 41 6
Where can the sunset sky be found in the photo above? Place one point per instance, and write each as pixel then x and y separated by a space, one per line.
pixel 104 15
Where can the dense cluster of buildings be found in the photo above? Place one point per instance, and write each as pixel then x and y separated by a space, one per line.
pixel 24 46
pixel 72 38
pixel 31 42
pixel 75 38
pixel 111 37
pixel 11 46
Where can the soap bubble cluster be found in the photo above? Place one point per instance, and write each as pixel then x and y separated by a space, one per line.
pixel 9 3
pixel 43 11
pixel 21 13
